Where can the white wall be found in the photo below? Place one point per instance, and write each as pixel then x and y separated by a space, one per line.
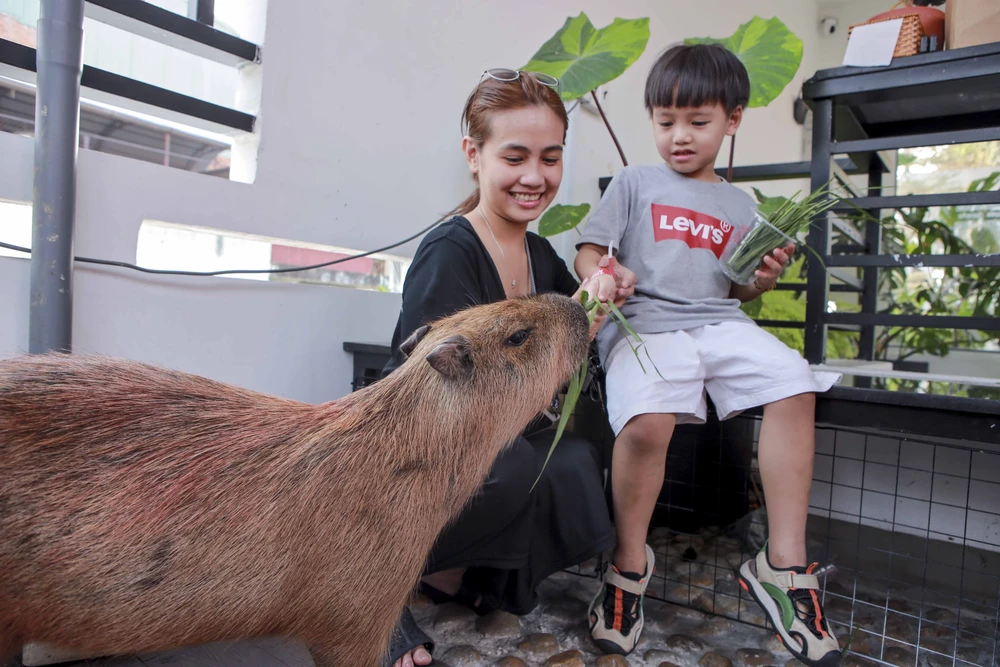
pixel 830 48
pixel 947 492
pixel 359 144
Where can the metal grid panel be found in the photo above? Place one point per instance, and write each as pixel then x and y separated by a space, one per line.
pixel 912 526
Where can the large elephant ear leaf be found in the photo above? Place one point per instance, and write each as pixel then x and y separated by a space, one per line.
pixel 583 57
pixel 770 52
pixel 561 218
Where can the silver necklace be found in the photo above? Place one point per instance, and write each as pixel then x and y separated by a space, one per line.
pixel 513 281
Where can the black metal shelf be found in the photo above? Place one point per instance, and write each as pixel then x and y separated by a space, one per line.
pixel 956 90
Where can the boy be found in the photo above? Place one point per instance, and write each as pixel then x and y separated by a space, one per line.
pixel 670 223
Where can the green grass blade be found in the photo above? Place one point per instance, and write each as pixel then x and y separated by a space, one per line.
pixel 624 322
pixel 572 396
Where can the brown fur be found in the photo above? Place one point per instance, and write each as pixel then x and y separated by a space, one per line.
pixel 143 509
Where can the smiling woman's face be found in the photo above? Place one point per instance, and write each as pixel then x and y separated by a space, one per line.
pixel 520 166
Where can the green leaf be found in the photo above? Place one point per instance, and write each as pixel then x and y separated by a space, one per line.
pixel 628 327
pixel 768 206
pixel 623 327
pixel 583 58
pixel 770 52
pixel 561 218
pixel 752 308
pixel 572 395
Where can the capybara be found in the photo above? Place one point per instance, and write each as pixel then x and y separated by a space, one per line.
pixel 143 509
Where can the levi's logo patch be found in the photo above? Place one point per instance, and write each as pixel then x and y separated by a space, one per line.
pixel 698 230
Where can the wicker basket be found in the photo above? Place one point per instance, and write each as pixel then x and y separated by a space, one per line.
pixel 910 34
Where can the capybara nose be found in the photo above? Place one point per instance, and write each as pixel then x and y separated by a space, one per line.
pixel 577 324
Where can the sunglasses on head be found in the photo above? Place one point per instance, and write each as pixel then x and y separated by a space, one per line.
pixel 508 75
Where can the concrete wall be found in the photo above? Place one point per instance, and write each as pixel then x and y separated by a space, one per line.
pixel 359 144
pixel 943 490
pixel 830 48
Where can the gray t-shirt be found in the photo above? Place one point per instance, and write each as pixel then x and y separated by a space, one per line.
pixel 670 230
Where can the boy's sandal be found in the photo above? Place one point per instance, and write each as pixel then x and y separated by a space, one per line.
pixel 406 636
pixel 791 599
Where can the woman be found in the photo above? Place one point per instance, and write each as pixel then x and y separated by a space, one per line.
pixel 509 538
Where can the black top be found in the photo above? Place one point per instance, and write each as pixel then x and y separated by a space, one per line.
pixel 453 270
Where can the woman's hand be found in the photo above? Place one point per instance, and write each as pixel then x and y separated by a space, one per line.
pixel 589 285
pixel 604 287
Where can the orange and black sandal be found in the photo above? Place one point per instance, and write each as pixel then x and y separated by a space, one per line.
pixel 615 614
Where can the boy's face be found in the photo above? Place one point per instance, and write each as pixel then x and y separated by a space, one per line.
pixel 689 138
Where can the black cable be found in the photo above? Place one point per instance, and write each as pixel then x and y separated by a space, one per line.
pixel 126 265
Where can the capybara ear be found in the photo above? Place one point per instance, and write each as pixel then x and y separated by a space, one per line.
pixel 452 358
pixel 406 347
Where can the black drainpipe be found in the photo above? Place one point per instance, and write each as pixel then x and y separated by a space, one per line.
pixel 59 63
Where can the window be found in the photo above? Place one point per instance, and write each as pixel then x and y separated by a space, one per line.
pixel 115 124
pixel 164 245
pixel 117 131
pixel 15 227
pixel 953 168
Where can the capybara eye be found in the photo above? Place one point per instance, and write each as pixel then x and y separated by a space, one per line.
pixel 518 337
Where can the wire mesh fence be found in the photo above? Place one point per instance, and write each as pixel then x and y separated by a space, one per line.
pixel 912 528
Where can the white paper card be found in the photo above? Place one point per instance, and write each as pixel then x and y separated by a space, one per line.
pixel 872 45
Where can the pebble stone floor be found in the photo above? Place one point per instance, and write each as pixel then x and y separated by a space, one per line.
pixel 555 635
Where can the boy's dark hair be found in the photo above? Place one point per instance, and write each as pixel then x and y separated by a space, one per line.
pixel 690 75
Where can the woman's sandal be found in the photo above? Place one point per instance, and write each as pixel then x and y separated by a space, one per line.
pixel 406 637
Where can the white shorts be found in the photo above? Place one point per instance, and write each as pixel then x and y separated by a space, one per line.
pixel 740 365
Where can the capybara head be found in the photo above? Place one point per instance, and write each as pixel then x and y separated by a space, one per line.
pixel 521 349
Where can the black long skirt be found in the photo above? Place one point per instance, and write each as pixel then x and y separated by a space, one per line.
pixel 511 537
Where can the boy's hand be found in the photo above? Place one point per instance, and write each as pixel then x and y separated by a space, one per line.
pixel 606 288
pixel 767 275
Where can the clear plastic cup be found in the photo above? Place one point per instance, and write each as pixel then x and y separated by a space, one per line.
pixel 747 247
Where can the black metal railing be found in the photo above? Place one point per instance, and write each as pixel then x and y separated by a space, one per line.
pixel 951 97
